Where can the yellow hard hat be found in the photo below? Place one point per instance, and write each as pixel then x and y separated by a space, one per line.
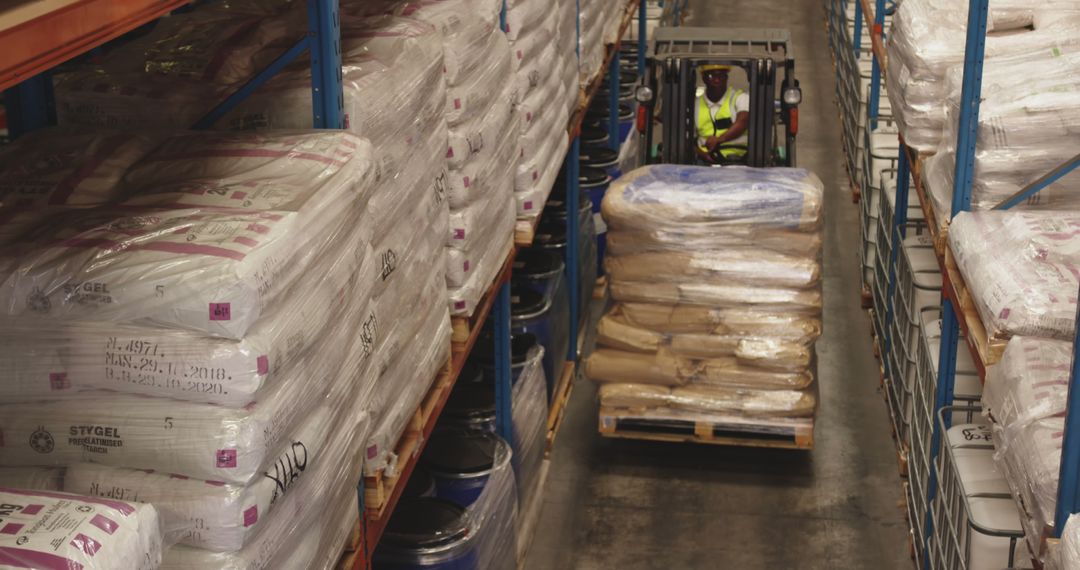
pixel 714 67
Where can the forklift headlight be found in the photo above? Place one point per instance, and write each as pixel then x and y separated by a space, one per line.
pixel 792 96
pixel 643 94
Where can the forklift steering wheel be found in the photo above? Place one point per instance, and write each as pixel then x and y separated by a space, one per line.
pixel 717 157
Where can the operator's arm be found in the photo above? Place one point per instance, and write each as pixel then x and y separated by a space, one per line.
pixel 738 128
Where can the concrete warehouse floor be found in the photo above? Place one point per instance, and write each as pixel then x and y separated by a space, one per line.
pixel 639 505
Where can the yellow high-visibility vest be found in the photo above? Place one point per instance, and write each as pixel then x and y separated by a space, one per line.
pixel 709 125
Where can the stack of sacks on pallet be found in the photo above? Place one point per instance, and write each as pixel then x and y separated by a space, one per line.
pixel 484 131
pixel 1025 396
pixel 195 342
pixel 1026 129
pixel 186 64
pixel 927 39
pixel 395 95
pixel 533 28
pixel 1021 270
pixel 592 21
pixel 567 39
pixel 716 277
pixel 60 530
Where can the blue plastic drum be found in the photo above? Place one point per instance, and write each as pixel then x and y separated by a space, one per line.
pixel 461 463
pixel 551 235
pixel 599 112
pixel 531 313
pixel 471 406
pixel 427 534
pixel 594 135
pixel 603 158
pixel 594 182
pixel 420 484
pixel 520 345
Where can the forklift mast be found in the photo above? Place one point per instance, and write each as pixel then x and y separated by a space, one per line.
pixel 676 55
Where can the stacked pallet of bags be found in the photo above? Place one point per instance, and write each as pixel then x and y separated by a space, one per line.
pixel 541 60
pixel 927 39
pixel 592 21
pixel 394 93
pixel 481 95
pixel 190 343
pixel 715 275
pixel 1025 130
pixel 1021 271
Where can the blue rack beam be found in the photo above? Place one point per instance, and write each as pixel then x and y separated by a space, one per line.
pixel 1038 185
pixel 875 77
pixel 1068 499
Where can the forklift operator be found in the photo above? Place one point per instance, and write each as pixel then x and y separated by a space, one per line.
pixel 722 116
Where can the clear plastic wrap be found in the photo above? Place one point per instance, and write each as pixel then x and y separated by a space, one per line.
pixel 403 386
pixel 1067 554
pixel 481 137
pixel 464 299
pixel 528 45
pixel 56 168
pixel 1030 382
pixel 494 514
pixel 421 291
pixel 38 478
pixel 530 414
pixel 762 299
pixel 745 266
pixel 1025 130
pixel 64 361
pixel 477 94
pixel 525 18
pixel 228 221
pixel 927 39
pixel 768 353
pixel 705 320
pixel 1021 269
pixel 481 184
pixel 466 27
pixel 197 440
pixel 673 198
pixel 608 365
pixel 710 400
pixel 44 529
pixel 530 202
pixel 1029 455
pixel 629 241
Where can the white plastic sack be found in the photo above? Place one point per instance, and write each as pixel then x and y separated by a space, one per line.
pixel 1030 382
pixel 246 221
pixel 480 138
pixel 466 27
pixel 39 478
pixel 41 529
pixel 1021 269
pixel 477 94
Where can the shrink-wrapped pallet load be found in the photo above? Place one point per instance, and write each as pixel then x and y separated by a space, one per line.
pixel 1022 270
pixel 716 276
pixel 927 39
pixel 1066 554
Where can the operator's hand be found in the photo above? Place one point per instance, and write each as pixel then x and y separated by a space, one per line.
pixel 711 142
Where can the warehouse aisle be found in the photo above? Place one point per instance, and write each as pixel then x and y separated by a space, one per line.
pixel 631 504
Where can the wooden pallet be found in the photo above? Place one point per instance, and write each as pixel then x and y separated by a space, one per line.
pixel 354 549
pixel 379 487
pixel 466 329
pixel 986 349
pixel 618 423
pixel 563 388
pixel 939 229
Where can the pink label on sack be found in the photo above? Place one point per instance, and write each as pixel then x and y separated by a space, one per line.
pixel 59 381
pixel 536 175
pixel 450 152
pixel 465 181
pixel 226 458
pixel 86 544
pixel 257 228
pixel 11 528
pixel 220 312
pixel 104 523
pixel 262 365
pixel 520 54
pixel 180 477
pixel 32 509
pixel 459 234
pixel 466 265
pixel 528 205
pixel 215 483
pixel 457 104
pixel 242 240
pixel 372 451
pixel 238 195
pixel 251 516
pixel 459 305
pixel 1004 314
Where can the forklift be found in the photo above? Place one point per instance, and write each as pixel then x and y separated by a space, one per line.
pixel 668 95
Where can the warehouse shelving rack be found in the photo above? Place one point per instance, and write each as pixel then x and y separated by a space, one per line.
pixel 959 315
pixel 38 36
